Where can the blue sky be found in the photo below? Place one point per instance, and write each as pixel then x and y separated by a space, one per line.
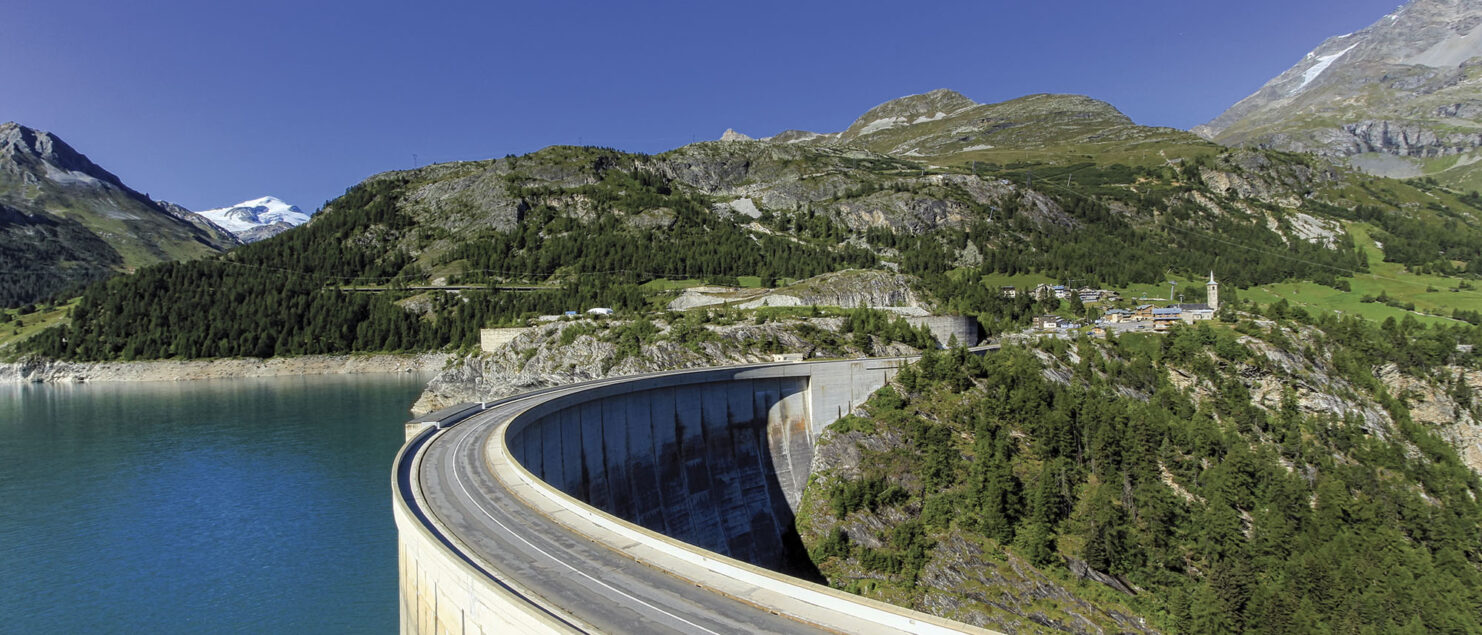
pixel 210 103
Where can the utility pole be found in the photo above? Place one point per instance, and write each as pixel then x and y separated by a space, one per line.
pixel 414 160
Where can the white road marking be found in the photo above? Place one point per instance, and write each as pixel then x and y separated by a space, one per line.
pixel 462 446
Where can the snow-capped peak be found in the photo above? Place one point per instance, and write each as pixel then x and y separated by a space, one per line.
pixel 246 217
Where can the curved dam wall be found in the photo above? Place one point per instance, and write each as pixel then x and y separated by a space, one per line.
pixel 717 459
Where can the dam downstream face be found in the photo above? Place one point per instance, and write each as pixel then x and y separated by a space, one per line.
pixel 720 465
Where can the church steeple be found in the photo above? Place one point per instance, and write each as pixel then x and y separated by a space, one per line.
pixel 1212 290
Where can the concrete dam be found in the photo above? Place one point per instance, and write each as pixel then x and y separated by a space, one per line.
pixel 658 503
pixel 717 464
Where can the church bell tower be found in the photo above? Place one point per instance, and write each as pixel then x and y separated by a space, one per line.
pixel 1212 290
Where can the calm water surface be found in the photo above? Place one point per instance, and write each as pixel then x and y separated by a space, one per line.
pixel 245 505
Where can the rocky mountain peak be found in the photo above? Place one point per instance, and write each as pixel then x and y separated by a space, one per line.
pixel 24 149
pixel 731 135
pixel 945 125
pixel 911 109
pixel 1074 106
pixel 1397 88
pixel 71 222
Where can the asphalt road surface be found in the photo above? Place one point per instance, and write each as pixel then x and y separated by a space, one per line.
pixel 595 587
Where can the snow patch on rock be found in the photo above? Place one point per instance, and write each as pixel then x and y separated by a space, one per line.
pixel 882 124
pixel 70 177
pixel 1323 62
pixel 747 207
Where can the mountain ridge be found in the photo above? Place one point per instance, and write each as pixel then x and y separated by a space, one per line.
pixel 1400 98
pixel 944 127
pixel 69 221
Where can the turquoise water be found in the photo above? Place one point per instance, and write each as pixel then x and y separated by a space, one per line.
pixel 245 505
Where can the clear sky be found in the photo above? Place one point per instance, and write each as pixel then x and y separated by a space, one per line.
pixel 211 103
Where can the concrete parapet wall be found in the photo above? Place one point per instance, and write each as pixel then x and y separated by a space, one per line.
pixel 492 339
pixel 442 594
pixel 965 329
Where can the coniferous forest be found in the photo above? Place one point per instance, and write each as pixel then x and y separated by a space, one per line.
pixel 623 224
pixel 291 295
pixel 1224 516
pixel 1148 465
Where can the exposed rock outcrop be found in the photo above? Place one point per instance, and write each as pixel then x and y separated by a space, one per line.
pixel 52 371
pixel 964 578
pixel 568 352
pixel 1401 87
pixel 1445 402
pixel 731 135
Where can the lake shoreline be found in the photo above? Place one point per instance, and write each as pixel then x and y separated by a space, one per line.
pixel 59 372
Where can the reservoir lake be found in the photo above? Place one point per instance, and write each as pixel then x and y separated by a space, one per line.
pixel 256 505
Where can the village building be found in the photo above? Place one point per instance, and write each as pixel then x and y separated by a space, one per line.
pixel 1047 322
pixel 1163 317
pixel 1191 313
pixel 1099 295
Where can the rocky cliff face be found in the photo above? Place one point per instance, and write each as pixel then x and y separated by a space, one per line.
pixel 1408 86
pixel 848 289
pixel 965 578
pixel 569 352
pixel 860 189
pixel 844 289
pixel 1444 401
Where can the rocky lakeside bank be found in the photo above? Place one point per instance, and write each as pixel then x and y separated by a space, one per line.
pixel 53 371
